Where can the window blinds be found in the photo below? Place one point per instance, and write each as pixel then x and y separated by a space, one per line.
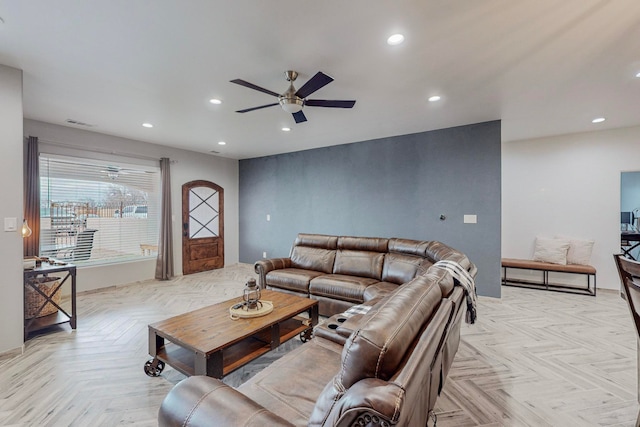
pixel 93 212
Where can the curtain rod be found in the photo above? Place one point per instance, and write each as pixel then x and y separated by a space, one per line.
pixel 96 150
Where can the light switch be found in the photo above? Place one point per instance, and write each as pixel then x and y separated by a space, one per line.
pixel 268 217
pixel 471 219
pixel 11 224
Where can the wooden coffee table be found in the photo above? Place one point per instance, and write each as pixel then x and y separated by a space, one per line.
pixel 208 342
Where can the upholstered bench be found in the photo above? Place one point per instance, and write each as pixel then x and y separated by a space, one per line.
pixel 546 267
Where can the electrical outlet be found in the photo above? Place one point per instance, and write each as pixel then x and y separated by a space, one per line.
pixel 268 217
pixel 264 254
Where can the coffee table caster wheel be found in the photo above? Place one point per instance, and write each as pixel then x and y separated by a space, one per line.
pixel 306 335
pixel 153 371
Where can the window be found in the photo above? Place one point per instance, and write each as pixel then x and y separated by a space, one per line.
pixel 93 212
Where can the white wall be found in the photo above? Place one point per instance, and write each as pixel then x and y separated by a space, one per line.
pixel 187 166
pixel 568 185
pixel 11 165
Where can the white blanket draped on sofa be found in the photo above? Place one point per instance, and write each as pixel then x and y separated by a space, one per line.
pixel 462 278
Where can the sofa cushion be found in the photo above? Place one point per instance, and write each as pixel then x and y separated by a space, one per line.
pixel 378 290
pixel 408 247
pixel 359 263
pixel 437 251
pixel 328 306
pixel 378 347
pixel 309 258
pixel 371 244
pixel 290 385
pixel 294 279
pixel 321 241
pixel 344 287
pixel 343 324
pixel 399 268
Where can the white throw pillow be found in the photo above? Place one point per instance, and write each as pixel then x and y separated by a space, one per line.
pixel 551 250
pixel 579 250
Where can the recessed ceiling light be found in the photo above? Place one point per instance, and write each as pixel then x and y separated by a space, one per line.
pixel 222 143
pixel 598 120
pixel 215 101
pixel 434 98
pixel 286 129
pixel 147 125
pixel 395 39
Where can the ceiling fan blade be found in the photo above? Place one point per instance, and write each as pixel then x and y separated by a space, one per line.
pixel 299 117
pixel 252 86
pixel 313 84
pixel 329 103
pixel 246 110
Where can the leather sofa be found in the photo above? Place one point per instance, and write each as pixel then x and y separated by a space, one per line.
pixel 379 363
pixel 340 271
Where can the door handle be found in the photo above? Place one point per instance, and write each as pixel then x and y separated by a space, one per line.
pixel 185 229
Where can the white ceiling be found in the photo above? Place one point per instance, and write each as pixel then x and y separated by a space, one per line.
pixel 544 67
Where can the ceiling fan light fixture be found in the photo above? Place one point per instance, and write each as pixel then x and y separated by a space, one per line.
pixel 291 105
pixel 293 101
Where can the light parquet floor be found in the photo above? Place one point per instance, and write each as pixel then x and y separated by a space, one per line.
pixel 539 358
pixel 534 358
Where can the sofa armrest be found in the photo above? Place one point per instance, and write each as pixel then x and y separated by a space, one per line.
pixel 208 402
pixel 264 266
pixel 339 327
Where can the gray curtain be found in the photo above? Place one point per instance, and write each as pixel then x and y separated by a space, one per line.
pixel 164 263
pixel 32 198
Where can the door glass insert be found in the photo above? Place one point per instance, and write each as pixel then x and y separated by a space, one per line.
pixel 204 205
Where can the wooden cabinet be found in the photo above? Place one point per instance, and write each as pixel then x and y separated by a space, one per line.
pixel 43 288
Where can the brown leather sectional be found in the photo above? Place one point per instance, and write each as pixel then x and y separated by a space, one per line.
pixel 379 360
pixel 341 271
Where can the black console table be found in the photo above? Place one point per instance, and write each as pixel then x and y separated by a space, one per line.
pixel 61 315
pixel 629 241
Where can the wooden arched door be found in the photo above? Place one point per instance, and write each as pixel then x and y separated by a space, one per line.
pixel 202 226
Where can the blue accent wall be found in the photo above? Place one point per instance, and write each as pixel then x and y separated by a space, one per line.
pixel 390 187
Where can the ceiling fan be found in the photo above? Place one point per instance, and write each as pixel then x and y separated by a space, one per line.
pixel 292 101
pixel 113 172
